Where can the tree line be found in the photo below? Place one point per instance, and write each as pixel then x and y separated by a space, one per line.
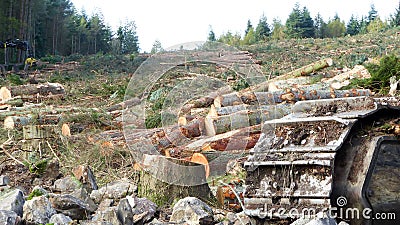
pixel 55 27
pixel 300 24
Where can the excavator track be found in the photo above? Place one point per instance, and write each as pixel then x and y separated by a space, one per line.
pixel 297 166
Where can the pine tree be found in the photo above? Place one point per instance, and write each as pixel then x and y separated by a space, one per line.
pixel 157 47
pixel 336 28
pixel 353 26
pixel 293 23
pixel 262 30
pixel 211 35
pixel 396 18
pixel 372 14
pixel 248 27
pixel 300 24
pixel 278 32
pixel 126 34
pixel 307 24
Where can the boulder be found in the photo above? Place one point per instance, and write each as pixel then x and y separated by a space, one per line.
pixel 66 185
pixel 12 200
pixel 108 215
pixel 124 212
pixel 83 195
pixel 192 210
pixel 9 218
pixel 4 180
pixel 38 210
pixel 60 219
pixel 85 175
pixel 70 206
pixel 143 209
pixel 114 190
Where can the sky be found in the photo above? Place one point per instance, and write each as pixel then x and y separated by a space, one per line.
pixel 174 22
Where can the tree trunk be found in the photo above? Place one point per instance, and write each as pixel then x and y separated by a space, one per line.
pixel 15 122
pixel 241 119
pixel 175 183
pixel 303 71
pixel 36 91
pixel 223 111
pixel 290 95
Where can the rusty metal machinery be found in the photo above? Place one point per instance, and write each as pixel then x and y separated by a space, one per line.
pixel 328 154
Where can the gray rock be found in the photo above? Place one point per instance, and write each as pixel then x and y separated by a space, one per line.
pixel 108 215
pixel 114 190
pixel 192 210
pixel 38 210
pixel 12 200
pixel 343 223
pixel 124 212
pixel 66 185
pixel 9 218
pixel 70 206
pixel 60 219
pixel 39 190
pixel 4 180
pixel 301 221
pixel 83 195
pixel 242 218
pixel 85 175
pixel 143 209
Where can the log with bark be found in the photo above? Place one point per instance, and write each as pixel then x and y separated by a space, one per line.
pixel 222 124
pixel 34 91
pixel 289 95
pixel 223 111
pixel 240 139
pixel 303 71
pixel 17 122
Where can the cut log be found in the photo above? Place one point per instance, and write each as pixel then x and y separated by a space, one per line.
pixel 12 122
pixel 33 89
pixel 179 135
pixel 303 71
pixel 123 105
pixel 291 95
pixel 5 94
pixel 17 122
pixel 65 130
pixel 241 119
pixel 205 143
pixel 283 109
pixel 12 102
pixel 184 120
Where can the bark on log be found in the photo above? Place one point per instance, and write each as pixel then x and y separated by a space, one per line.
pixel 289 95
pixel 123 105
pixel 241 119
pixel 17 122
pixel 40 131
pixel 205 143
pixel 37 89
pixel 303 71
pixel 12 102
pixel 223 111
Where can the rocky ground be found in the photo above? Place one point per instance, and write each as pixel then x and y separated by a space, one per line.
pixel 76 199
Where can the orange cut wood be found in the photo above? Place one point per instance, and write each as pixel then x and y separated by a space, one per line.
pixel 201 159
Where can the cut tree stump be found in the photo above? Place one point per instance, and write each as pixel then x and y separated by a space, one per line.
pixel 173 179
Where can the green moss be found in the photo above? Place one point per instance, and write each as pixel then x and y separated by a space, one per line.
pixel 34 193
